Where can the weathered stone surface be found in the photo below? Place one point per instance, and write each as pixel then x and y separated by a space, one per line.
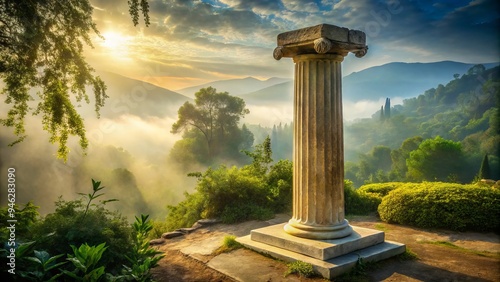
pixel 170 235
pixel 318 172
pixel 208 221
pixel 332 267
pixel 197 225
pixel 360 238
pixel 312 33
pixel 321 39
pixel 186 230
pixel 157 242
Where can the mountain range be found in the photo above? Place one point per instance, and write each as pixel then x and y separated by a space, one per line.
pixel 234 86
pixel 403 80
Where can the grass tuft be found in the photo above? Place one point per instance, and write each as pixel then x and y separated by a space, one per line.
pixel 408 255
pixel 301 268
pixel 229 244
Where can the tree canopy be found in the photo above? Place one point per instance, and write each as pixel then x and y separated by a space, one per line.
pixel 41 47
pixel 214 117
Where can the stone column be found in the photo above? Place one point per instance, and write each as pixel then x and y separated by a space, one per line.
pixel 318 172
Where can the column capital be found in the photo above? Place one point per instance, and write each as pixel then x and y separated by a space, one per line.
pixel 321 39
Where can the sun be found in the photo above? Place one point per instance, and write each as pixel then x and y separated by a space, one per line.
pixel 114 40
pixel 116 45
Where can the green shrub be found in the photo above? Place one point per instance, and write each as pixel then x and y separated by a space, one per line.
pixel 247 211
pixel 359 202
pixel 26 217
pixel 380 189
pixel 443 205
pixel 78 222
pixel 235 194
pixel 186 213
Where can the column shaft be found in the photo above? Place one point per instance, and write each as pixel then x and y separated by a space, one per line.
pixel 318 173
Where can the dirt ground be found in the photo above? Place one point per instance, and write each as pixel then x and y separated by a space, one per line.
pixel 464 256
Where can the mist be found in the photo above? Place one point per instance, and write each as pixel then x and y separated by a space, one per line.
pixel 128 153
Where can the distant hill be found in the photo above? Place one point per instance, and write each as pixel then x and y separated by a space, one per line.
pixel 234 86
pixel 278 93
pixel 127 95
pixel 403 80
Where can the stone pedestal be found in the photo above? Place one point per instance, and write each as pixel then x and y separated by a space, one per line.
pixel 318 231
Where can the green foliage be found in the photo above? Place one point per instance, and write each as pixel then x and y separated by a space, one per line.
pixel 408 255
pixel 85 260
pixel 143 257
pixel 229 244
pixel 41 46
pixel 44 265
pixel 261 156
pixel 380 189
pixel 187 212
pixel 301 268
pixel 359 202
pixel 245 211
pixel 443 205
pixel 235 194
pixel 484 170
pixel 77 222
pixel 466 110
pixel 210 127
pixel 435 160
pixel 26 218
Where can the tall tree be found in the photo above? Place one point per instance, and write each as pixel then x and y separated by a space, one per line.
pixel 41 46
pixel 387 108
pixel 213 114
pixel 484 171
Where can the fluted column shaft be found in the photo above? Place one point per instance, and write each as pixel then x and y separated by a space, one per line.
pixel 318 173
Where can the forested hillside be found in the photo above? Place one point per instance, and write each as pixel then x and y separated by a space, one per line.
pixel 443 134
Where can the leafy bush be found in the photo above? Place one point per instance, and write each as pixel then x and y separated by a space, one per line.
pixel 359 202
pixel 380 189
pixel 254 191
pixel 26 217
pixel 443 205
pixel 77 222
pixel 186 213
pixel 143 257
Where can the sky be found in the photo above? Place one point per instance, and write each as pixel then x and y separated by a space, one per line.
pixel 191 42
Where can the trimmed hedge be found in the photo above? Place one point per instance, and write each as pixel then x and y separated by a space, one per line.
pixel 443 205
pixel 359 202
pixel 380 189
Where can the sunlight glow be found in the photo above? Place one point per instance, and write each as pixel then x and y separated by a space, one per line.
pixel 117 45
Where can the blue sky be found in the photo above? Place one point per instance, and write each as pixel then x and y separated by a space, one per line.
pixel 190 42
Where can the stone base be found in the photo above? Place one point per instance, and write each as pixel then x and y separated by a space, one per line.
pixel 330 258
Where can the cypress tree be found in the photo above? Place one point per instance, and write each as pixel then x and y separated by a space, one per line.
pixel 381 113
pixel 387 108
pixel 484 171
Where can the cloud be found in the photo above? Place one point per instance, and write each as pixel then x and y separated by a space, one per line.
pixel 213 39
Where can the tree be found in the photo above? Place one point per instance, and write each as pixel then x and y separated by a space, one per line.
pixel 387 108
pixel 435 160
pixel 214 115
pixel 484 171
pixel 41 46
pixel 262 156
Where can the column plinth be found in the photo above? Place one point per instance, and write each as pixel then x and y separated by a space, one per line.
pixel 318 171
